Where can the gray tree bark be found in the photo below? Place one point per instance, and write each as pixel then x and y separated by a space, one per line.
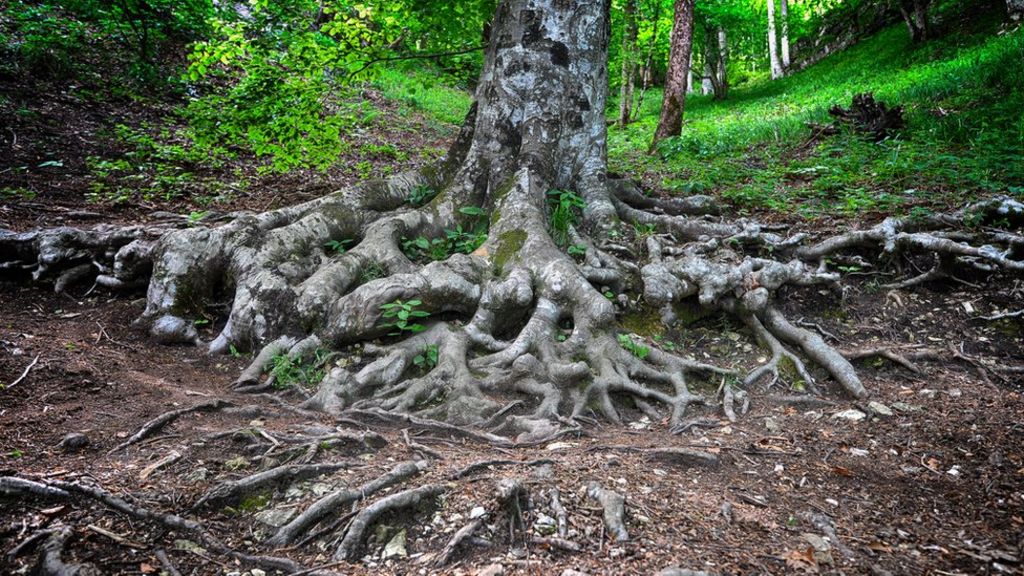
pixel 784 38
pixel 773 50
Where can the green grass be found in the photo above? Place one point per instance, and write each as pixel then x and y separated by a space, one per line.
pixel 424 90
pixel 963 95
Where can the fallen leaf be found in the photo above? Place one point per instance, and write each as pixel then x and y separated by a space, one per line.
pixel 147 568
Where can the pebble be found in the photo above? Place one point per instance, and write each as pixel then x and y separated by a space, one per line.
pixel 879 409
pixel 851 414
pixel 73 442
pixel 772 425
pixel 477 512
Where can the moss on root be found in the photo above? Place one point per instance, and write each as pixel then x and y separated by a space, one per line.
pixel 509 245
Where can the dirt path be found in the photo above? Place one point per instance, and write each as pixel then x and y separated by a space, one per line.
pixel 934 488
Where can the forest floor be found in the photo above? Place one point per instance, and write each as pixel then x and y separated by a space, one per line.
pixel 929 481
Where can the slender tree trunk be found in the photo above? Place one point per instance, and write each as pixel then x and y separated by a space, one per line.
pixel 722 69
pixel 784 41
pixel 707 78
pixel 629 63
pixel 773 50
pixel 674 101
pixel 915 15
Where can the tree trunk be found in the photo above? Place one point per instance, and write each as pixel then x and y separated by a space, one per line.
pixel 721 71
pixel 674 101
pixel 784 39
pixel 915 15
pixel 773 50
pixel 629 63
pixel 707 81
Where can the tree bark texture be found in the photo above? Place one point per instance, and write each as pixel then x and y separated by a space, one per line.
pixel 784 37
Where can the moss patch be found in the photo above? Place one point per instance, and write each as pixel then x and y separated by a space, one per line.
pixel 645 322
pixel 509 245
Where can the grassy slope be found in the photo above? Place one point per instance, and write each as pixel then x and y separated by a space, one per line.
pixel 964 100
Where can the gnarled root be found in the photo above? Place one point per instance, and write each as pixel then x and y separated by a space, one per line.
pixel 352 543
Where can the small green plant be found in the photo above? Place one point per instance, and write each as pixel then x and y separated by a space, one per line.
pixel 201 321
pixel 288 371
pixel 564 206
pixel 338 246
pixel 427 359
pixel 638 350
pixel 577 250
pixel 194 217
pixel 405 314
pixel 372 271
pixel 421 194
pixel 234 351
pixel 644 230
pixel 16 454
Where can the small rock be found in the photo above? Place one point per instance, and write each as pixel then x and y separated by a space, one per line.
pixel 772 425
pixel 832 502
pixel 571 572
pixel 545 525
pixel 859 452
pixel 682 572
pixel 275 517
pixel 954 471
pixel 396 546
pixel 954 393
pixel 879 409
pixel 851 415
pixel 477 512
pixel 189 546
pixel 557 446
pixel 822 549
pixel 904 407
pixel 198 475
pixel 257 572
pixel 73 442
pixel 927 393
pixel 491 570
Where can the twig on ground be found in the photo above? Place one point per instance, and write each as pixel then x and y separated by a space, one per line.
pixel 23 374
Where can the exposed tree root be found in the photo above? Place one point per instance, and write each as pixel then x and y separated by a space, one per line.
pixel 166 520
pixel 482 465
pixel 353 542
pixel 230 493
pixel 334 501
pixel 613 505
pixel 51 562
pixel 158 423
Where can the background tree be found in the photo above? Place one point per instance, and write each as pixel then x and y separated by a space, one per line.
pixel 784 37
pixel 629 62
pixel 773 50
pixel 674 98
pixel 915 15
